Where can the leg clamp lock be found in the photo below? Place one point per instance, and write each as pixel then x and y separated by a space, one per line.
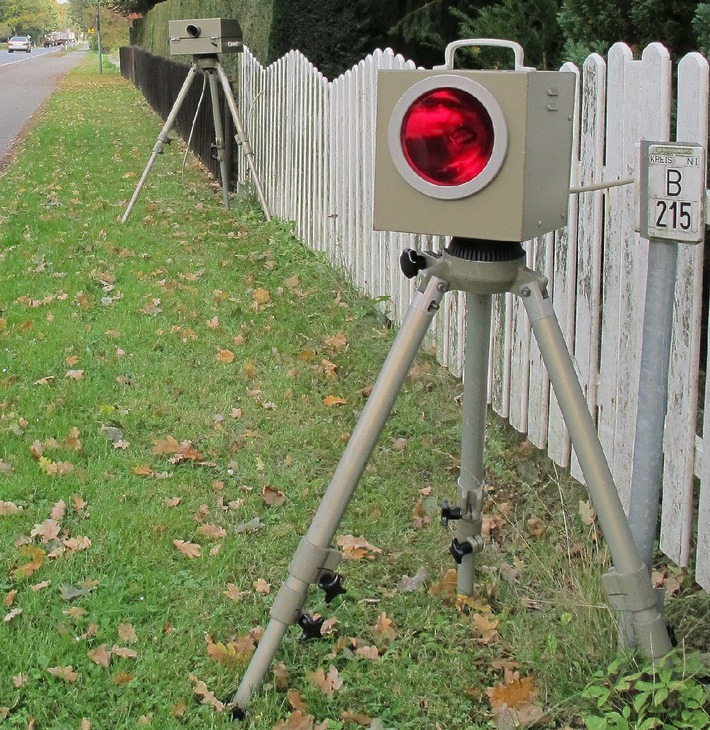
pixel 632 592
pixel 310 562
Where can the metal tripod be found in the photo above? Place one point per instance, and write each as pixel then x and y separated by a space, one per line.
pixel 481 269
pixel 211 66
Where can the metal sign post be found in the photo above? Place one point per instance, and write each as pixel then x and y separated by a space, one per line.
pixel 671 210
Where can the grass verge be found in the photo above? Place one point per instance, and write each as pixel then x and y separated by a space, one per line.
pixel 174 396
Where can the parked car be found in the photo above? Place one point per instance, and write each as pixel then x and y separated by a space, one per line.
pixel 19 43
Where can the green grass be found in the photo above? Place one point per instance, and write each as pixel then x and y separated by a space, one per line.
pixel 144 310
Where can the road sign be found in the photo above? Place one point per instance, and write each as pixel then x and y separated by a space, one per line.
pixel 672 191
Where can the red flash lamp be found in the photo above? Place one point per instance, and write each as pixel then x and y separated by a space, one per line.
pixel 479 154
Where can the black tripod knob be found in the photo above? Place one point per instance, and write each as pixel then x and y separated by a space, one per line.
pixel 332 585
pixel 449 513
pixel 411 262
pixel 459 549
pixel 310 627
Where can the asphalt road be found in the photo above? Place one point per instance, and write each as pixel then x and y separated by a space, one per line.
pixel 27 80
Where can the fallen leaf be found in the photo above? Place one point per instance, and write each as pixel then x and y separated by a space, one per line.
pixel 226 356
pixel 356 548
pixel 368 652
pixel 127 633
pixel 281 676
pixel 333 400
pixel 190 549
pixel 208 698
pixel 58 511
pixel 12 614
pixel 384 629
pixel 407 584
pixel 261 586
pixel 9 508
pixel 101 656
pixel 212 532
pixel 66 673
pixel 261 296
pixel 233 592
pixel 273 497
pixel 326 683
pixel 536 527
pixel 587 512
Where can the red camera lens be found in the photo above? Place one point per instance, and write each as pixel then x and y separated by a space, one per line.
pixel 447 136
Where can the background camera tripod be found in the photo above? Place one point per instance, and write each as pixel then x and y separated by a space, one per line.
pixel 212 68
pixel 481 269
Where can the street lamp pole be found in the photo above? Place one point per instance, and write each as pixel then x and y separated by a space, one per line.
pixel 98 34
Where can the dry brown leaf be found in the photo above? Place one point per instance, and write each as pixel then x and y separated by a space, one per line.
pixel 359 718
pixel 121 678
pixel 297 720
pixel 9 598
pixel 9 508
pixel 47 531
pixel 58 511
pixel 356 548
pixel 101 656
pixel 368 652
pixel 66 673
pixel 281 676
pixel 212 532
pixel 127 633
pixel 12 614
pixel 384 629
pixel 326 683
pixel 296 700
pixel 208 698
pixel 167 445
pixel 587 512
pixel 273 497
pixel 447 586
pixel 190 549
pixel 261 296
pixel 486 628
pixel 536 527
pixel 124 652
pixel 337 342
pixel 233 592
pixel 226 356
pixel 333 400
pixel 261 586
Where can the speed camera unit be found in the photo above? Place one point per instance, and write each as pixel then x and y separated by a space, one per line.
pixel 478 154
pixel 205 36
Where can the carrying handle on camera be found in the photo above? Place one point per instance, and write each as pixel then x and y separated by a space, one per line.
pixel 480 42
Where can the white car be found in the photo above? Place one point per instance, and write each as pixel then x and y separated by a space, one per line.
pixel 19 43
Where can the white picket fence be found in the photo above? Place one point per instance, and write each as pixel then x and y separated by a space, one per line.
pixel 314 148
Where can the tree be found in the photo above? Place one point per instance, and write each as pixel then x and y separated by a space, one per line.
pixel 595 25
pixel 701 26
pixel 29 17
pixel 532 23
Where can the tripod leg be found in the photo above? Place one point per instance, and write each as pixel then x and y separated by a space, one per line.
pixel 219 136
pixel 314 553
pixel 243 140
pixel 629 583
pixel 468 540
pixel 162 138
